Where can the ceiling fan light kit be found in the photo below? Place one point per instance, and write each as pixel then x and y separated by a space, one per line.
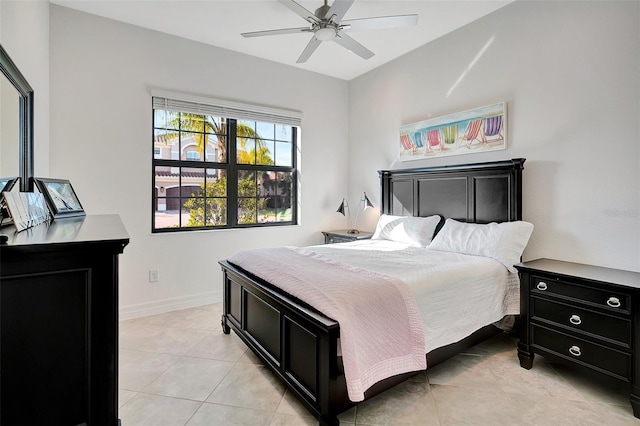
pixel 326 33
pixel 326 24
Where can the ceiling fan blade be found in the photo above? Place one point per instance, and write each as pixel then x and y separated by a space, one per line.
pixel 380 22
pixel 338 10
pixel 301 11
pixel 277 32
pixel 308 51
pixel 350 44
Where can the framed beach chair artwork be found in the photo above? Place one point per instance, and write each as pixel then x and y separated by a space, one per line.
pixel 476 130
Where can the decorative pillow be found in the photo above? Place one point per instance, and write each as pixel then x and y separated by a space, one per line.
pixel 503 242
pixel 415 231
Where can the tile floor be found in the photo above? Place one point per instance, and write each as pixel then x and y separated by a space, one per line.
pixel 179 369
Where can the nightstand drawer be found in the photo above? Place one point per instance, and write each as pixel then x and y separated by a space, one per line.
pixel 582 320
pixel 610 361
pixel 333 239
pixel 594 296
pixel 345 236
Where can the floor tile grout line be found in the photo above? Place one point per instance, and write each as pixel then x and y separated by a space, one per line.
pixel 582 395
pixel 194 413
pixel 208 330
pixel 225 376
pixel 166 396
pixel 589 401
pixel 435 404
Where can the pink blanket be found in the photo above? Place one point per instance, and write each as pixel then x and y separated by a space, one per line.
pixel 380 327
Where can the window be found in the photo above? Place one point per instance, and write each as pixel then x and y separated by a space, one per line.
pixel 193 155
pixel 219 166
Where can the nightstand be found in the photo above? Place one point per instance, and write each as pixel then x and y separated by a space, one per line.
pixel 343 236
pixel 584 315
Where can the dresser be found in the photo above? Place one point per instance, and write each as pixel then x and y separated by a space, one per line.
pixel 343 236
pixel 585 315
pixel 59 322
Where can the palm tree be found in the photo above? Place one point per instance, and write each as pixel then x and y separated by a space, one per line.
pixel 259 154
pixel 206 125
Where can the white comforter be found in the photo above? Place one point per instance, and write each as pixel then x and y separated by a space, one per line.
pixel 456 293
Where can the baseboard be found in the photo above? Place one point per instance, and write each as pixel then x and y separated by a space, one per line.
pixel 167 305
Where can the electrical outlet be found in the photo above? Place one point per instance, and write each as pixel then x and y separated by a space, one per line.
pixel 154 275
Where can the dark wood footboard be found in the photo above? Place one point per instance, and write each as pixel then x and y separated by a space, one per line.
pixel 297 343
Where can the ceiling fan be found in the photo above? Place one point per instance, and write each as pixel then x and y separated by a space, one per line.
pixel 327 24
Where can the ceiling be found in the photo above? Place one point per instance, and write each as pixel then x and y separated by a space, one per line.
pixel 220 22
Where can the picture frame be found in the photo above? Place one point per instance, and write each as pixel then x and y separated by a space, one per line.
pixel 6 184
pixel 27 209
pixel 60 197
pixel 481 129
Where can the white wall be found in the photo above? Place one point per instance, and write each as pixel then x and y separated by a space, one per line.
pixel 102 72
pixel 24 35
pixel 570 74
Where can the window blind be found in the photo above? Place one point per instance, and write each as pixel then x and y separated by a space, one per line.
pixel 223 108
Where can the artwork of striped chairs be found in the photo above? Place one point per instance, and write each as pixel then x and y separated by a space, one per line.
pixel 478 129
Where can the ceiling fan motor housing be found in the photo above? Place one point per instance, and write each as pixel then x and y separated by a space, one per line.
pixel 321 12
pixel 324 30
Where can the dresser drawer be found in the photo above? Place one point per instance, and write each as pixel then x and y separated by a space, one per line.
pixel 613 300
pixel 610 361
pixel 582 320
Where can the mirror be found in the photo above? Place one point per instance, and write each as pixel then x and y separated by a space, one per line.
pixel 9 129
pixel 16 124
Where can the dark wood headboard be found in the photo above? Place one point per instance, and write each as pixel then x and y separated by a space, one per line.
pixel 479 193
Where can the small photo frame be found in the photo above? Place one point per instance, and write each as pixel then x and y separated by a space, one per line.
pixel 60 197
pixel 7 183
pixel 28 209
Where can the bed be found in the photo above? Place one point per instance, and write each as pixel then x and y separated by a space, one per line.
pixel 302 346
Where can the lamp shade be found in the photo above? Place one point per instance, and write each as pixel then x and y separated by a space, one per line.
pixel 341 208
pixel 367 202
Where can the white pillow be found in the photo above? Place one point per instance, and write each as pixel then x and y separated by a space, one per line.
pixel 503 242
pixel 415 231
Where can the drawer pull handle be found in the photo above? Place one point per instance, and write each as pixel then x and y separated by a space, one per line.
pixel 614 302
pixel 542 286
pixel 575 350
pixel 575 320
